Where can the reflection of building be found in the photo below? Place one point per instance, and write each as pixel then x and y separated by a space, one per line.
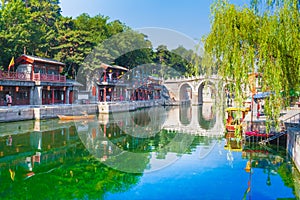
pixel 36 81
pixel 34 145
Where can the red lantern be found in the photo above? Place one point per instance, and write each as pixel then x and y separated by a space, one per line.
pixel 61 69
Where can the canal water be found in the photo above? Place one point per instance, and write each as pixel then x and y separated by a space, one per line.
pixel 156 153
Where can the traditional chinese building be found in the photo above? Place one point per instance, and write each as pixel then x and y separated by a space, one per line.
pixel 36 81
pixel 110 86
pixel 118 84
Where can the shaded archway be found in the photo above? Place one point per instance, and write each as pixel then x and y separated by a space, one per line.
pixel 206 92
pixel 185 94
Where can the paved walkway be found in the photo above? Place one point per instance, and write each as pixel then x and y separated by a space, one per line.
pixel 285 115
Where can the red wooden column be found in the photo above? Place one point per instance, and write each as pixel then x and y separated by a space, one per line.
pixel 99 93
pixel 104 94
pixel 32 72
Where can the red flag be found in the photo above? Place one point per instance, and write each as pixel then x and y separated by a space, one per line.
pixel 12 63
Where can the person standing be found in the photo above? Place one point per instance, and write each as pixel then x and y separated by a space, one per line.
pixel 8 100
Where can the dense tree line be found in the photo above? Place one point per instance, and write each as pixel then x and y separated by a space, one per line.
pixel 36 27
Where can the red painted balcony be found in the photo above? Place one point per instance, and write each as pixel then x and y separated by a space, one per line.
pixel 22 76
pixel 49 77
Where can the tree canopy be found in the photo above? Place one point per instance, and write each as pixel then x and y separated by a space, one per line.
pixel 262 38
pixel 36 27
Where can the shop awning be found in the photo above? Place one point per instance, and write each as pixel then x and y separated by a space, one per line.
pixel 262 95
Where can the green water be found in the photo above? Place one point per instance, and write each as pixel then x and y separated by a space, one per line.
pixel 146 154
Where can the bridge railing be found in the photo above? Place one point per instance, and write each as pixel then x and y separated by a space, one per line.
pixel 295 119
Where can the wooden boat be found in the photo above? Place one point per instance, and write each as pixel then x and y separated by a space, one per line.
pixel 235 117
pixel 75 117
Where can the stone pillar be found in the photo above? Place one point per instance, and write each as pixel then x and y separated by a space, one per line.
pixel 195 98
pixel 31 96
pixel 126 94
pixel 67 100
pixel 37 95
pixel 97 98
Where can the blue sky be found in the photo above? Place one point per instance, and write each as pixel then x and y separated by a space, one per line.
pixel 189 17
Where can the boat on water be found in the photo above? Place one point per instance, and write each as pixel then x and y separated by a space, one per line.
pixel 234 121
pixel 75 117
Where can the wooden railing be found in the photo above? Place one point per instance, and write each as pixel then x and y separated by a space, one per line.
pixel 5 75
pixel 22 76
pixel 49 77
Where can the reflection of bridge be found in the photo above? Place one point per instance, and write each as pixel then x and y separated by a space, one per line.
pixel 193 89
pixel 198 120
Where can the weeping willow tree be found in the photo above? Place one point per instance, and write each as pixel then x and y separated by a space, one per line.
pixel 261 38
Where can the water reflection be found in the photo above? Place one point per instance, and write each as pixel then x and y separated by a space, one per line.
pixel 185 113
pixel 54 161
pixel 68 160
pixel 206 116
pixel 126 141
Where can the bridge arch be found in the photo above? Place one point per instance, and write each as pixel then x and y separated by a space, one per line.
pixel 207 92
pixel 185 92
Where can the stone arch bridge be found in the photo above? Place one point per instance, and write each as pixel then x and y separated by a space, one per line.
pixel 195 90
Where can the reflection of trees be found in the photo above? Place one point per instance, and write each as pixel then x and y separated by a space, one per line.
pixel 76 176
pixel 179 143
pixel 202 141
pixel 273 160
pixel 205 124
pixel 285 172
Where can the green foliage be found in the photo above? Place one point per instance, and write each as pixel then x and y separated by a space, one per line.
pixel 14 18
pixel 176 62
pixel 36 27
pixel 244 41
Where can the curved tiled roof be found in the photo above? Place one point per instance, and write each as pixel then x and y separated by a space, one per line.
pixel 38 59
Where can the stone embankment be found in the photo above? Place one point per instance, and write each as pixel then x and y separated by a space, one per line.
pixel 19 113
